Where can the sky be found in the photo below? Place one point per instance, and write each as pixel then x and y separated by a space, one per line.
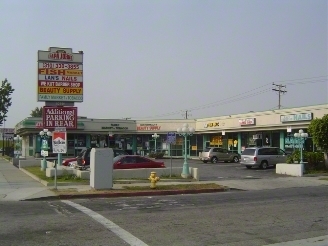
pixel 147 59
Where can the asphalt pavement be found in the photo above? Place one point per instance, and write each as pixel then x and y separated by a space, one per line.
pixel 16 185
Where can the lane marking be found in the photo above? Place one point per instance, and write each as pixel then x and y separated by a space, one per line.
pixel 120 232
pixel 314 241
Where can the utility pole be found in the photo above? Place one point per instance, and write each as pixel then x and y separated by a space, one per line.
pixel 186 114
pixel 280 90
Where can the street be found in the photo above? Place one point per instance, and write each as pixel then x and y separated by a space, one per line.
pixel 231 218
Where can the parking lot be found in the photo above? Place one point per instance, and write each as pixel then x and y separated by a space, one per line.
pixel 224 171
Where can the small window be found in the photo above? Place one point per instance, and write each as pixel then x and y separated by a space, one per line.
pixel 142 160
pixel 215 149
pixel 249 152
pixel 281 152
pixel 224 150
pixel 274 151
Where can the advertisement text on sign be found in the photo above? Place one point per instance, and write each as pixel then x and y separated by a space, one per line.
pixel 60 65
pixel 61 84
pixel 60 117
pixel 71 98
pixel 60 90
pixel 51 71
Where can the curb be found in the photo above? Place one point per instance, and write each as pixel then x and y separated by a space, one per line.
pixel 129 194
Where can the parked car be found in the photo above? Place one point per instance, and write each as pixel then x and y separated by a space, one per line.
pixel 215 154
pixel 262 157
pixel 135 161
pixel 86 153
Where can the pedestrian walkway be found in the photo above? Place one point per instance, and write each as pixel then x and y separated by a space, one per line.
pixel 16 185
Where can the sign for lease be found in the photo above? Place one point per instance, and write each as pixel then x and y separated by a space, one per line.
pixel 59 117
pixel 60 75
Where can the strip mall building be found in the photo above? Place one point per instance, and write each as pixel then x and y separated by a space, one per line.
pixel 233 132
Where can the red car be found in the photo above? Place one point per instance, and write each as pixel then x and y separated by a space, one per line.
pixel 67 161
pixel 86 153
pixel 135 161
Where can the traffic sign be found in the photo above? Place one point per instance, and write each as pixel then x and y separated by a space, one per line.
pixel 171 138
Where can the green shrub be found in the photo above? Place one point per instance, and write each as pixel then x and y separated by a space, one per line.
pixel 314 159
pixel 156 155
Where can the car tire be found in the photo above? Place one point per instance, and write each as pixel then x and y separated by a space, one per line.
pixel 205 161
pixel 248 167
pixel 214 160
pixel 235 159
pixel 264 165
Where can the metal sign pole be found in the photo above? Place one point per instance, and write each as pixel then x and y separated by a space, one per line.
pixel 171 161
pixel 55 175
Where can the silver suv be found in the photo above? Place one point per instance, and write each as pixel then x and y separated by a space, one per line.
pixel 216 154
pixel 262 157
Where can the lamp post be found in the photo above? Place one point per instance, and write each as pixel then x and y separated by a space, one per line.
pixel 45 134
pixel 155 136
pixel 300 137
pixel 17 141
pixel 185 131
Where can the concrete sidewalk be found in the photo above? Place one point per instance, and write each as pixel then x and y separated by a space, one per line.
pixel 15 185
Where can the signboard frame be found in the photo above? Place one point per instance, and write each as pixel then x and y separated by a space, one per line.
pixel 59 141
pixel 59 69
pixel 46 120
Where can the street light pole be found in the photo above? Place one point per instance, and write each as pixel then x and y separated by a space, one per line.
pixel 185 131
pixel 155 136
pixel 45 134
pixel 301 137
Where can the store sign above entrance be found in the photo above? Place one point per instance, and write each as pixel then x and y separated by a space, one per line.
pixel 296 117
pixel 148 127
pixel 115 127
pixel 247 122
pixel 212 124
pixel 60 75
pixel 60 117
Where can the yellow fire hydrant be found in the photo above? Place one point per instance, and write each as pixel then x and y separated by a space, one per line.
pixel 153 180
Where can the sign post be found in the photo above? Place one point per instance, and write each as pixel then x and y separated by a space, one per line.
pixel 59 143
pixel 171 138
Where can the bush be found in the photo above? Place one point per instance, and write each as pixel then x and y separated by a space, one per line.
pixel 314 159
pixel 156 155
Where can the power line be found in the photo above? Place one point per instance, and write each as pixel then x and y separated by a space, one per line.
pixel 280 90
pixel 244 95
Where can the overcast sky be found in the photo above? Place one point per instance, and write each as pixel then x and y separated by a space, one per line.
pixel 151 59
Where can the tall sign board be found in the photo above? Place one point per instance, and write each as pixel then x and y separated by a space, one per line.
pixel 60 75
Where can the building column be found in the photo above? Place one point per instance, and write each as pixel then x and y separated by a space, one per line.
pixel 282 140
pixel 134 144
pixel 88 141
pixel 239 142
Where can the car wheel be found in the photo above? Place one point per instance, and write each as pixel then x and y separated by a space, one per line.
pixel 235 159
pixel 215 160
pixel 205 161
pixel 264 165
pixel 248 167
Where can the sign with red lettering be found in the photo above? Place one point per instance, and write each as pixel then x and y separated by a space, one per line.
pixel 247 122
pixel 59 117
pixel 60 75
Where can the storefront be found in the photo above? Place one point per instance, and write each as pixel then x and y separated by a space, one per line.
pixel 232 132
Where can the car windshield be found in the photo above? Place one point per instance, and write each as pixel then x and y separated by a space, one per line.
pixel 248 152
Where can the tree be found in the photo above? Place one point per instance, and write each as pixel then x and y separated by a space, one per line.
pixel 5 99
pixel 37 112
pixel 318 129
